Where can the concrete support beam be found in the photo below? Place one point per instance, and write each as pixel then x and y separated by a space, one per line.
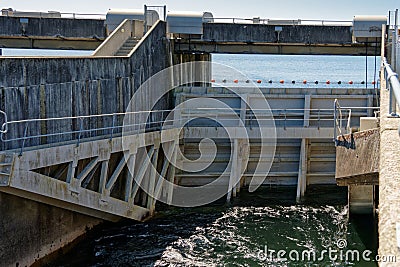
pixel 51 33
pixel 359 165
pixel 26 180
pixel 256 33
pixel 288 133
pixel 307 107
pixel 361 199
pixel 171 173
pixel 152 181
pixel 203 74
pixel 302 176
pixel 200 47
pixel 234 172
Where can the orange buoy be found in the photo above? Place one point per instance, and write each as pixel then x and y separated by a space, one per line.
pixel 305 82
pixel 258 81
pixel 350 82
pixel 328 82
pixel 282 81
pixel 213 81
pixel 236 81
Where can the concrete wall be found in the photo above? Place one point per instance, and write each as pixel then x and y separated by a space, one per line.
pixel 57 87
pixel 389 180
pixel 360 163
pixel 227 32
pixel 32 88
pixel 31 230
pixel 69 28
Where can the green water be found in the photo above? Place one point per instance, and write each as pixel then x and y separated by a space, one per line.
pixel 234 235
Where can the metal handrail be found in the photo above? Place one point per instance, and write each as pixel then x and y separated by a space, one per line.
pixel 288 22
pixel 338 120
pixel 141 121
pixel 393 84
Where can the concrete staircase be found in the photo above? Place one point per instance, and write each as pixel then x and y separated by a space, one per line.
pixel 6 161
pixel 127 47
pixel 122 40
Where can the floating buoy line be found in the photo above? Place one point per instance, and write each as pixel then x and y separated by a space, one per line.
pixel 328 82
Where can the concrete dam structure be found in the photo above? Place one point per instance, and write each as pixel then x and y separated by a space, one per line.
pixel 106 137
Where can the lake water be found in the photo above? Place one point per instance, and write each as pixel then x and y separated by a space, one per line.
pixel 299 68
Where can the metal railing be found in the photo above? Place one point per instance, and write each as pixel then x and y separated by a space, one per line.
pixel 341 115
pixel 281 22
pixel 393 85
pixel 80 127
pixel 51 131
pixel 342 123
pixel 83 16
pixel 51 14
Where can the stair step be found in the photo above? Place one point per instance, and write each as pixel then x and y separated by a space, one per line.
pixel 4 174
pixel 5 164
pixel 5 168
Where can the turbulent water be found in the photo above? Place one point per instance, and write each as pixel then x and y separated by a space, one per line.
pixel 236 235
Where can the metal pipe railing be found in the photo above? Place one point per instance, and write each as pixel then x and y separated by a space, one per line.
pixel 281 22
pixel 109 125
pixel 393 84
pixel 342 121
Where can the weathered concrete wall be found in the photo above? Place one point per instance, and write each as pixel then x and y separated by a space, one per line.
pixel 57 87
pixel 389 180
pixel 31 230
pixel 359 165
pixel 361 199
pixel 52 27
pixel 228 32
pixel 32 88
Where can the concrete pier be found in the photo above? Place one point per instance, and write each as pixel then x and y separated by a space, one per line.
pixel 31 230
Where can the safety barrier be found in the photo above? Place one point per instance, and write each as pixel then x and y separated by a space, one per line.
pixel 137 122
pixel 342 124
pixel 258 20
pixel 85 127
pixel 393 85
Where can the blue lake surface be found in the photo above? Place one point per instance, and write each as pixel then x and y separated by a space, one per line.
pixel 299 68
